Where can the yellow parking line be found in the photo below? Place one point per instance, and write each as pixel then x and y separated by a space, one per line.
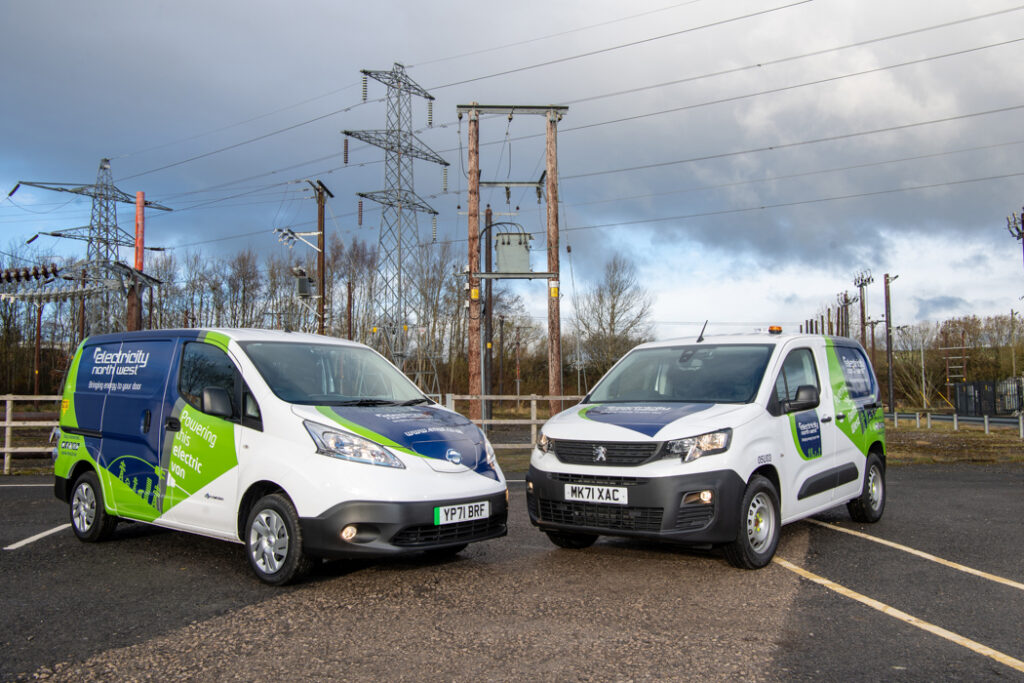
pixel 903 616
pixel 919 553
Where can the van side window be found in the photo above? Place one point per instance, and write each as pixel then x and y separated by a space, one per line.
pixel 202 366
pixel 860 381
pixel 797 370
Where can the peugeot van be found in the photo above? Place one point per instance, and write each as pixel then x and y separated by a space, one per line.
pixel 296 446
pixel 714 441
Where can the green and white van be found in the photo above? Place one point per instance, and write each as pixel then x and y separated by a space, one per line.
pixel 714 441
pixel 296 446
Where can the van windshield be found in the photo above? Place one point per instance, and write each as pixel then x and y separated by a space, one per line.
pixel 330 374
pixel 697 373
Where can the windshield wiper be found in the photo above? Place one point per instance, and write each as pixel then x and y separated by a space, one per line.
pixel 364 402
pixel 416 401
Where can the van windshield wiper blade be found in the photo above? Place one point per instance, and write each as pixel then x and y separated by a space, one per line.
pixel 415 401
pixel 364 402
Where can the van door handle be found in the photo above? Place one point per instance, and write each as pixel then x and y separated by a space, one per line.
pixel 840 416
pixel 146 417
pixel 827 419
pixel 172 424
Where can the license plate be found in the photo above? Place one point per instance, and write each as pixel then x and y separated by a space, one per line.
pixel 467 512
pixel 614 495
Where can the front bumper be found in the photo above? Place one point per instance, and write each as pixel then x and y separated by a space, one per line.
pixel 398 528
pixel 656 507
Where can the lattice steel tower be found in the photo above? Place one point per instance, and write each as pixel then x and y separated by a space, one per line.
pixel 399 234
pixel 104 276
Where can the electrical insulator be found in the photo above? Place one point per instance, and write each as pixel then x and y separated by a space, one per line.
pixel 433 228
pixel 444 178
pixel 345 150
pixel 430 113
pixel 364 87
pixel 360 212
pixel 508 194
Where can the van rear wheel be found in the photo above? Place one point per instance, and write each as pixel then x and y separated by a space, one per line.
pixel 274 541
pixel 572 541
pixel 89 518
pixel 758 535
pixel 869 505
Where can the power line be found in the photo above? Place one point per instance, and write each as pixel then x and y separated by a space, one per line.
pixel 621 46
pixel 763 207
pixel 783 60
pixel 789 145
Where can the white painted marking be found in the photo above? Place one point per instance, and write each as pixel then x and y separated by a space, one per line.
pixel 972 645
pixel 33 539
pixel 924 555
pixel 26 486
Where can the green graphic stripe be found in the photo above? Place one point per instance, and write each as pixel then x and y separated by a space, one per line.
pixel 216 338
pixel 364 432
pixel 68 417
pixel 584 411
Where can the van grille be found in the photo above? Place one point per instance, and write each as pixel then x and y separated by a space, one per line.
pixel 628 453
pixel 429 534
pixel 601 516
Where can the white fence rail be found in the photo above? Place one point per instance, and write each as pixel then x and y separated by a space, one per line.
pixel 533 422
pixel 10 424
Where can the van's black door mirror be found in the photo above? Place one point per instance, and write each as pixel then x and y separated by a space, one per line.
pixel 807 397
pixel 216 401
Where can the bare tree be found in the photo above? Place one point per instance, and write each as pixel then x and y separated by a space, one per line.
pixel 613 316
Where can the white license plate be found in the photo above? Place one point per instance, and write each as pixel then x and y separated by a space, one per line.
pixel 614 495
pixel 467 512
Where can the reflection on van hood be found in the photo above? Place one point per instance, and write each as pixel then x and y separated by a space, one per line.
pixel 450 440
pixel 648 419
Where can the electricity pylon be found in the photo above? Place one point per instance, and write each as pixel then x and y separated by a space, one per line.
pixel 102 273
pixel 399 233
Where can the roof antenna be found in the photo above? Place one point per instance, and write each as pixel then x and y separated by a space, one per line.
pixel 700 337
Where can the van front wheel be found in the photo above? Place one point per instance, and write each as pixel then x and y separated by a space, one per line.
pixel 89 519
pixel 274 541
pixel 869 505
pixel 758 535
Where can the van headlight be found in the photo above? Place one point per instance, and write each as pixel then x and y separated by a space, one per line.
pixel 491 457
pixel 544 444
pixel 694 447
pixel 347 446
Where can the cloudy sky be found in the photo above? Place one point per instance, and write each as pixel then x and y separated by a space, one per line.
pixel 750 157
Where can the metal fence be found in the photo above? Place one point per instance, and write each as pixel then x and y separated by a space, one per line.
pixel 988 398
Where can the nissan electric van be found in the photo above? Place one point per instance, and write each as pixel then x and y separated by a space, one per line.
pixel 296 446
pixel 714 441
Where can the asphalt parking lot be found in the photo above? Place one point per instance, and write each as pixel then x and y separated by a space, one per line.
pixel 941 599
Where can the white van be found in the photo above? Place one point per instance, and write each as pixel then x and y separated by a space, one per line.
pixel 714 441
pixel 297 446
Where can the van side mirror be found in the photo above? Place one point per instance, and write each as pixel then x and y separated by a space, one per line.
pixel 807 397
pixel 216 402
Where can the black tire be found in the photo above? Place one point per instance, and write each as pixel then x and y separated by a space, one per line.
pixel 273 541
pixel 758 533
pixel 870 504
pixel 89 518
pixel 572 541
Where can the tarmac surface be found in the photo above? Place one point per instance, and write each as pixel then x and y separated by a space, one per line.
pixel 155 604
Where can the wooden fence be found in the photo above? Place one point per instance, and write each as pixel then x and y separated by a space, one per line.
pixel 533 422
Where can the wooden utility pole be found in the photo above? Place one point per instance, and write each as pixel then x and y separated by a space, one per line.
pixel 488 379
pixel 554 310
pixel 321 199
pixel 475 383
pixel 888 342
pixel 134 307
pixel 553 115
